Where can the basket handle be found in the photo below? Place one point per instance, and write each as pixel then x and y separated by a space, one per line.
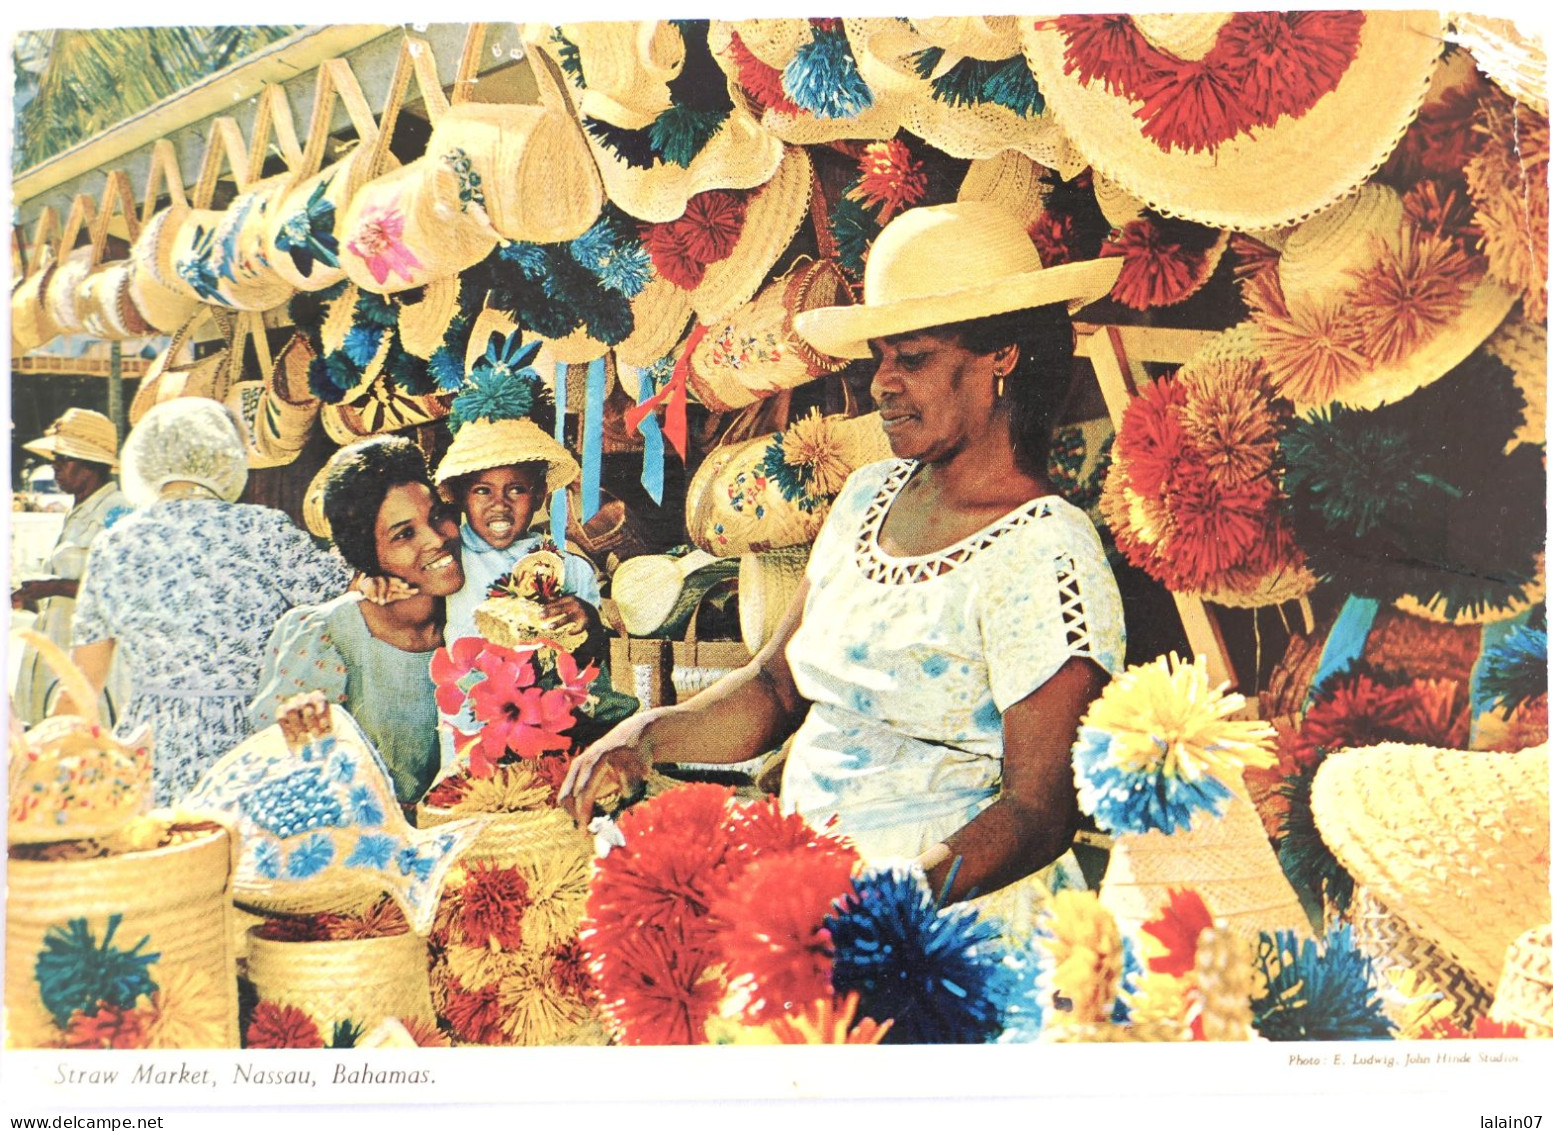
pixel 164 173
pixel 120 196
pixel 273 121
pixel 82 215
pixel 415 61
pixel 76 685
pixel 468 64
pixel 336 83
pixel 226 140
pixel 182 337
pixel 45 238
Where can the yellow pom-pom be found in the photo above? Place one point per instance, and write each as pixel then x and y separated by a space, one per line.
pixel 1086 952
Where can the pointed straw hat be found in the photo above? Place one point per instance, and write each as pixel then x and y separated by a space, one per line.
pixel 755 353
pixel 887 52
pixel 164 300
pixel 1525 996
pixel 775 491
pixel 1392 815
pixel 949 263
pixel 1317 136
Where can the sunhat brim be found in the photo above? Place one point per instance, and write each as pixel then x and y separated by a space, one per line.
pixel 845 331
pixel 56 447
pixel 484 444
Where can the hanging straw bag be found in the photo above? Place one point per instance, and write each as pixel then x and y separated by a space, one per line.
pixel 164 300
pixel 360 981
pixel 176 372
pixel 276 421
pixel 31 324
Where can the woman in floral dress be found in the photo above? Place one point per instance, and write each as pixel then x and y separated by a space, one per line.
pixel 187 588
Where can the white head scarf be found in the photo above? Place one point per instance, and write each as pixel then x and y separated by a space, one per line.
pixel 191 439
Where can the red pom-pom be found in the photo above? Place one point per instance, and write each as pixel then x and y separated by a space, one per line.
pixel 1286 62
pixel 759 80
pixel 1110 49
pixel 706 233
pixel 656 986
pixel 109 1028
pixel 282 1027
pixel 491 903
pixel 1165 261
pixel 763 829
pixel 1151 441
pixel 474 1015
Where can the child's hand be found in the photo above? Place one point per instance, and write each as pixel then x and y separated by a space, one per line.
pixel 383 590
pixel 303 718
pixel 567 611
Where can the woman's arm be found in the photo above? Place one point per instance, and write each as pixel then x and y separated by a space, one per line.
pixel 93 660
pixel 742 715
pixel 1032 822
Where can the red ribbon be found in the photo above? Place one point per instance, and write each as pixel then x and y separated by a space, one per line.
pixel 674 396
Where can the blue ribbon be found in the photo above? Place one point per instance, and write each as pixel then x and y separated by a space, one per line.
pixel 1345 643
pixel 593 439
pixel 558 498
pixel 652 440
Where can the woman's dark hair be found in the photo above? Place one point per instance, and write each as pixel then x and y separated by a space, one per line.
pixel 356 481
pixel 1038 385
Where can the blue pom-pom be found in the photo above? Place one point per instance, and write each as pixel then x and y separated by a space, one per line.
pixel 680 133
pixel 854 229
pixel 1316 993
pixel 361 344
pixel 446 368
pixel 627 271
pixel 1024 1009
pixel 823 78
pixel 528 258
pixel 73 972
pixel 1122 801
pixel 939 975
pixel 1513 669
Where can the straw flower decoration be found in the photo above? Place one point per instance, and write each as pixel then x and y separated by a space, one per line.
pixel 532 1013
pixel 1085 949
pixel 1159 998
pixel 281 1027
pixel 492 902
pixel 1165 261
pixel 475 1015
pixel 1412 291
pixel 1160 745
pixel 1508 182
pixel 106 1027
pixel 558 893
pixel 760 81
pixel 187 1011
pixel 1318 992
pixel 889 179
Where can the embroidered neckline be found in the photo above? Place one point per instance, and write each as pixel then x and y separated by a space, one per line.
pixel 909 569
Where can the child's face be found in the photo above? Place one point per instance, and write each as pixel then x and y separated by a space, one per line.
pixel 500 502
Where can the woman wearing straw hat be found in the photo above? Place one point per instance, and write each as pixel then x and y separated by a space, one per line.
pixel 83 446
pixel 187 588
pixel 956 617
pixel 374 659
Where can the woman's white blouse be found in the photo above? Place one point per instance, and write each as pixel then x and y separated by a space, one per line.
pixel 909 662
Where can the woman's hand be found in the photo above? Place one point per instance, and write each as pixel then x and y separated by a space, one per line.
pixel 303 718
pixel 622 752
pixel 382 590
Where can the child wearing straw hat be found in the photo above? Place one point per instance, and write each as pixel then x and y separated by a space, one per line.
pixel 83 446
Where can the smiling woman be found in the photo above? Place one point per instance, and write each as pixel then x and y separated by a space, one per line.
pixel 956 616
pixel 374 660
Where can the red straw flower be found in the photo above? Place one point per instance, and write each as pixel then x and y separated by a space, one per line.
pixel 474 1015
pixel 1165 261
pixel 657 989
pixel 109 1028
pixel 1150 441
pixel 706 233
pixel 1178 926
pixel 1286 61
pixel 1408 295
pixel 762 829
pixel 761 81
pixel 425 1033
pixel 1193 106
pixel 569 971
pixel 282 1027
pixel 491 903
pixel 889 178
pixel 1109 49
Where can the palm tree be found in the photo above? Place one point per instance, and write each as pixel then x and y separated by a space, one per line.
pixel 72 83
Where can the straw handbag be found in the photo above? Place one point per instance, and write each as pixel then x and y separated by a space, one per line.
pixel 754 352
pixel 62 294
pixel 177 898
pixel 1227 860
pixel 1391 944
pixel 397 233
pixel 767 585
pixel 275 427
pixel 176 372
pixel 31 325
pixel 105 307
pixel 301 234
pixel 360 981
pixel 164 300
pixel 527 165
pixel 659 672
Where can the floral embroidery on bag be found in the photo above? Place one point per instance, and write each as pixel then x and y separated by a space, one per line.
pixel 469 191
pixel 308 235
pixel 739 351
pixel 379 241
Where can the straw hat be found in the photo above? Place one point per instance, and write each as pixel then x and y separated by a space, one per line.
pixel 491 425
pixel 775 491
pixel 164 300
pixel 1323 277
pixel 31 324
pixel 773 213
pixel 754 353
pixel 767 583
pixel 950 263
pixel 658 593
pixel 802 80
pixel 965 124
pixel 1505 52
pixel 81 434
pixel 632 68
pixel 1525 996
pixel 1393 816
pixel 527 167
pixel 1294 136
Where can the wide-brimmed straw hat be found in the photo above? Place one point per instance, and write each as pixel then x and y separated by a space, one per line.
pixel 1525 995
pixel 1507 53
pixel 968 105
pixel 950 263
pixel 1299 128
pixel 1328 326
pixel 1393 816
pixel 80 434
pixel 635 86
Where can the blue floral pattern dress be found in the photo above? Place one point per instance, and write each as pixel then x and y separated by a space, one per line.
pixel 909 663
pixel 190 590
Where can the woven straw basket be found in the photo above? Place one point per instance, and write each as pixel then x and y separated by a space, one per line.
pixel 358 980
pixel 163 300
pixel 31 324
pixel 62 291
pixel 511 838
pixel 756 353
pixel 1227 860
pixel 106 309
pixel 1391 943
pixel 178 896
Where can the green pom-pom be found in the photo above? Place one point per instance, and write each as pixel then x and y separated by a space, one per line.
pixel 679 134
pixel 854 229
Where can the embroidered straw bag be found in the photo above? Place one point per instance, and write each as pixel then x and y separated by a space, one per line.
pixel 31 325
pixel 277 411
pixel 164 300
pixel 361 981
pixel 176 372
